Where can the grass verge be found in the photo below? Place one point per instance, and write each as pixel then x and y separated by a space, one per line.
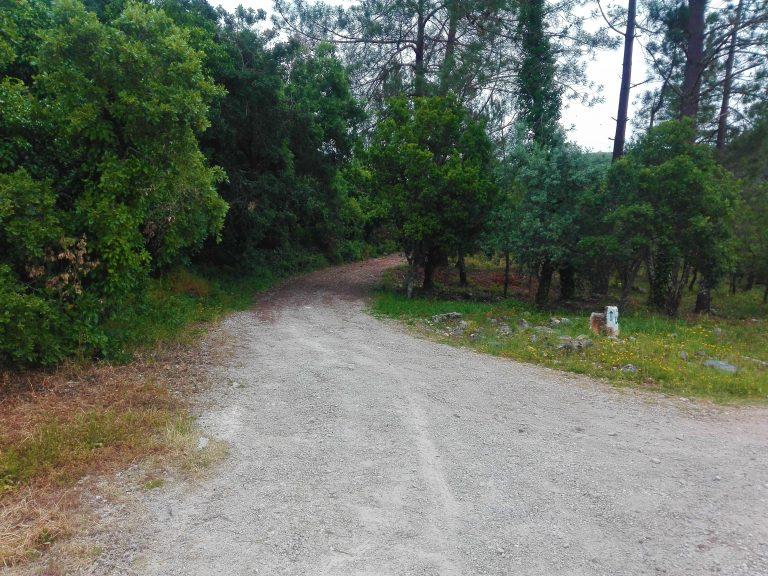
pixel 653 352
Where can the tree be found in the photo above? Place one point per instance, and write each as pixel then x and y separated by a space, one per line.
pixel 722 119
pixel 539 99
pixel 502 222
pixel 538 95
pixel 102 177
pixel 747 157
pixel 694 59
pixel 626 79
pixel 555 181
pixel 671 206
pixel 431 167
pixel 712 61
pixel 470 48
pixel 283 133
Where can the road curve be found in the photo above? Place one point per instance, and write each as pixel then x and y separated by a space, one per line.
pixel 357 448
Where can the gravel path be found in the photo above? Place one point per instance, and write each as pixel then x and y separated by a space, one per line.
pixel 356 448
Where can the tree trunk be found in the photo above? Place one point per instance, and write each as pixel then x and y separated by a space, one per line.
pixel 765 294
pixel 734 278
pixel 545 282
pixel 626 78
pixel 677 280
pixel 429 272
pixel 450 47
pixel 506 273
pixel 462 266
pixel 410 276
pixel 419 80
pixel 693 280
pixel 722 121
pixel 703 297
pixel 567 282
pixel 750 282
pixel 694 59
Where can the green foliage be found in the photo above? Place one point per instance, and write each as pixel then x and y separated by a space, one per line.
pixel 555 184
pixel 30 326
pixel 671 208
pixel 431 169
pixel 282 133
pixel 103 179
pixel 539 97
pixel 129 99
pixel 747 157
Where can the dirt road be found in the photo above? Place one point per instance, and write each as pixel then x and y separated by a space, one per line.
pixel 356 448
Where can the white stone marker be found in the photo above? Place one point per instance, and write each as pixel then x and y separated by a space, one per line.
pixel 612 320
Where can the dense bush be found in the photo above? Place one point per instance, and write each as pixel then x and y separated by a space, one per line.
pixel 115 118
pixel 283 132
pixel 553 184
pixel 431 165
pixel 670 205
pixel 103 180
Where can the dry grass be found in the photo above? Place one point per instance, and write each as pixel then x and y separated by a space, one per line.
pixel 57 428
pixel 33 519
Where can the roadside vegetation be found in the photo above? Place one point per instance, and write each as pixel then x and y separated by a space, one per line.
pixel 653 351
pixel 85 419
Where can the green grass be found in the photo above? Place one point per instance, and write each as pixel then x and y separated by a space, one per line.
pixel 653 343
pixel 179 303
pixel 59 449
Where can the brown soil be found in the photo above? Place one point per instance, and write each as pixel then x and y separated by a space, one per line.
pixel 349 281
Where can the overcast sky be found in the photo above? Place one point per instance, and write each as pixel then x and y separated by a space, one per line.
pixel 592 126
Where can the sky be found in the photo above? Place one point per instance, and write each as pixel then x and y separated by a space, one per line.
pixel 591 127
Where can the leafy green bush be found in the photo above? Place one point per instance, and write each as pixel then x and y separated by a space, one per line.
pixel 30 327
pixel 102 179
pixel 670 206
pixel 430 163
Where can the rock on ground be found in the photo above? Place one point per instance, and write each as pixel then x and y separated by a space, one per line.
pixel 357 448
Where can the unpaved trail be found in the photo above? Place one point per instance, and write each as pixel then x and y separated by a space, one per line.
pixel 356 448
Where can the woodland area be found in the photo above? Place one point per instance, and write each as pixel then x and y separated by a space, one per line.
pixel 138 139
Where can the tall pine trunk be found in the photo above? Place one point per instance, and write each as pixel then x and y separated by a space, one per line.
pixel 689 102
pixel 694 60
pixel 626 78
pixel 450 47
pixel 419 80
pixel 722 120
pixel 545 283
pixel 462 266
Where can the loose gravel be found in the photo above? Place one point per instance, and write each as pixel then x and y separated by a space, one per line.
pixel 357 448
